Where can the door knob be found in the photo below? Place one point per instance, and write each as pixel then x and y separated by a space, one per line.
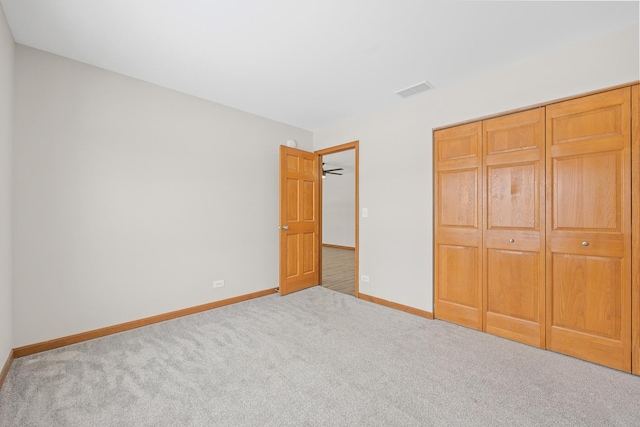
pixel 285 227
pixel 585 243
pixel 511 240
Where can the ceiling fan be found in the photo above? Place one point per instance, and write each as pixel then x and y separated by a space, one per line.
pixel 333 171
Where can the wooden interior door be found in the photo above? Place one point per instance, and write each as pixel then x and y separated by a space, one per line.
pixel 514 267
pixel 299 219
pixel 588 228
pixel 458 225
pixel 635 225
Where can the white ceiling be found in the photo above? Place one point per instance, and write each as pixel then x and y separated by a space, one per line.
pixel 308 63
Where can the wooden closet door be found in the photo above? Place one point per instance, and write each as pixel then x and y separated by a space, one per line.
pixel 635 224
pixel 458 225
pixel 514 256
pixel 588 228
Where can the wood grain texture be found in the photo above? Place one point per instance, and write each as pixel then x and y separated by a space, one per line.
pixel 338 270
pixel 300 213
pixel 6 367
pixel 458 212
pixel 395 305
pixel 588 189
pixel 635 225
pixel 109 330
pixel 513 228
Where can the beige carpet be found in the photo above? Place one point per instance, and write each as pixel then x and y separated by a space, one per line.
pixel 312 358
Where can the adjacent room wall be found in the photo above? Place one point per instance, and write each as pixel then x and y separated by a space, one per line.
pixel 396 239
pixel 339 204
pixel 6 131
pixel 131 199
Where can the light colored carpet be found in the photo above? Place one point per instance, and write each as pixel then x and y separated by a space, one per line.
pixel 316 357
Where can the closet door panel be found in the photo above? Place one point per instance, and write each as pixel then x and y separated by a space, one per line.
pixel 635 224
pixel 584 200
pixel 588 230
pixel 458 225
pixel 586 297
pixel 505 210
pixel 458 194
pixel 514 262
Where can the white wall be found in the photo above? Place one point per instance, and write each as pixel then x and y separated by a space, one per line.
pixel 131 199
pixel 6 131
pixel 396 239
pixel 339 203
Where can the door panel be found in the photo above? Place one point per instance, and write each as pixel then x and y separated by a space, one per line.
pixel 514 279
pixel 635 224
pixel 299 212
pixel 458 275
pixel 458 220
pixel 514 262
pixel 458 280
pixel 585 294
pixel 292 249
pixel 458 194
pixel 457 144
pixel 593 200
pixel 589 234
pixel 507 204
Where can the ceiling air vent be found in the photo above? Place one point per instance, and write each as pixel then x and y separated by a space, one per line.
pixel 420 87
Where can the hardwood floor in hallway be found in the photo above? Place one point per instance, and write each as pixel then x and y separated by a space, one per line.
pixel 338 270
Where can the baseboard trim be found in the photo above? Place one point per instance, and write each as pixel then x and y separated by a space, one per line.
pixel 110 330
pixel 328 245
pixel 396 306
pixel 6 367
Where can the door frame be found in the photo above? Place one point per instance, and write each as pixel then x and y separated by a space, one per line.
pixel 354 145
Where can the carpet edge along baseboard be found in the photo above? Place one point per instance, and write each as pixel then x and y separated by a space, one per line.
pixel 6 367
pixel 395 305
pixel 110 330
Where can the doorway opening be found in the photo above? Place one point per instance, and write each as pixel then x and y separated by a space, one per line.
pixel 339 218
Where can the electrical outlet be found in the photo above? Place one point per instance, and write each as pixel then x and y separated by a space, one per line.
pixel 218 284
pixel 364 278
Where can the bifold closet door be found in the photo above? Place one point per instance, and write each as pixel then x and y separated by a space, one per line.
pixel 635 225
pixel 514 255
pixel 458 225
pixel 589 228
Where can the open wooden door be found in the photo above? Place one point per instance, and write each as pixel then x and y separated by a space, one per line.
pixel 299 219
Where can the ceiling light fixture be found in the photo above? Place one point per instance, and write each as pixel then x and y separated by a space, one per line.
pixel 415 89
